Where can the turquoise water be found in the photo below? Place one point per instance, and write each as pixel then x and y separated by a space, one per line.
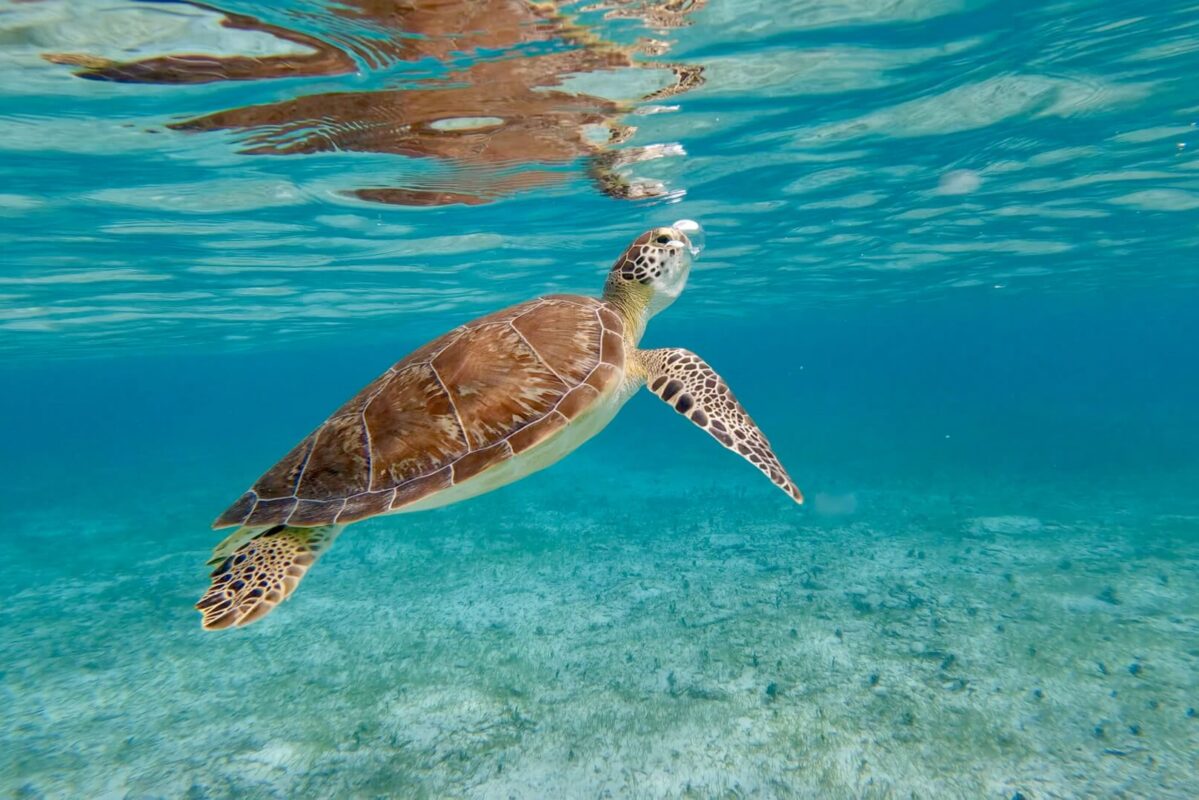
pixel 951 270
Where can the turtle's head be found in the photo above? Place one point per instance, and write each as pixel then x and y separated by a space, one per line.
pixel 652 272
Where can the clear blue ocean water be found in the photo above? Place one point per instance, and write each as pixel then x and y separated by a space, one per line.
pixel 952 270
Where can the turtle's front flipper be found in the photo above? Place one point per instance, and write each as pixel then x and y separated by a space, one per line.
pixel 261 574
pixel 692 388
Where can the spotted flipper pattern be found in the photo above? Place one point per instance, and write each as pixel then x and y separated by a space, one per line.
pixel 692 388
pixel 261 574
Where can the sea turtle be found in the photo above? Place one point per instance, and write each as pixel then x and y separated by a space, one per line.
pixel 484 405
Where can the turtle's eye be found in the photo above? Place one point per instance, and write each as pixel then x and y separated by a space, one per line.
pixel 663 239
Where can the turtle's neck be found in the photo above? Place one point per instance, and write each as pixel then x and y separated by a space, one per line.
pixel 634 302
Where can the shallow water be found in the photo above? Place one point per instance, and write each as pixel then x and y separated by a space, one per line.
pixel 950 271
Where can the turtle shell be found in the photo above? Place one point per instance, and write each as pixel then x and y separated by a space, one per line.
pixel 463 403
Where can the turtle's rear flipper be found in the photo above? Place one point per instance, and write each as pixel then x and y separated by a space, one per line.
pixel 261 574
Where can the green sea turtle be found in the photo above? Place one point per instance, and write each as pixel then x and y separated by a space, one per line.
pixel 484 405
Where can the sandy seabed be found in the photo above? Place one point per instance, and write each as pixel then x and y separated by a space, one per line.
pixel 698 645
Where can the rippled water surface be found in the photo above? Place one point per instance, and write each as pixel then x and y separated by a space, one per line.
pixel 952 269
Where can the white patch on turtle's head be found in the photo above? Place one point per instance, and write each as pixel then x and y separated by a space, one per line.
pixel 659 259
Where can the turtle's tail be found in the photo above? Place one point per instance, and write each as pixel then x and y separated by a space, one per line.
pixel 261 574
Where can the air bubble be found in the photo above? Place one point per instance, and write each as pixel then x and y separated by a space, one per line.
pixel 694 233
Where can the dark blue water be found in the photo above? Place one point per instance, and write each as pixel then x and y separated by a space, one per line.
pixel 951 272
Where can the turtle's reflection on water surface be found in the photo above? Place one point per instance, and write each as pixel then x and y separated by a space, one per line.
pixel 497 110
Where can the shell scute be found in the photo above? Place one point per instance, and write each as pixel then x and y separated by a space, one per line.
pixel 496 380
pixel 612 349
pixel 282 478
pixel 610 319
pixel 476 461
pixel 314 512
pixel 268 512
pixel 536 432
pixel 604 377
pixel 413 427
pixel 238 511
pixel 554 332
pixel 361 506
pixel 339 461
pixel 423 486
pixel 577 400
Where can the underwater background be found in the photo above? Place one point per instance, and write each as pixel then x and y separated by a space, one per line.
pixel 952 270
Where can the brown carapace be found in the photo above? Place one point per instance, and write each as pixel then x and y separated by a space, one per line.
pixel 478 395
pixel 484 405
pixel 502 121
